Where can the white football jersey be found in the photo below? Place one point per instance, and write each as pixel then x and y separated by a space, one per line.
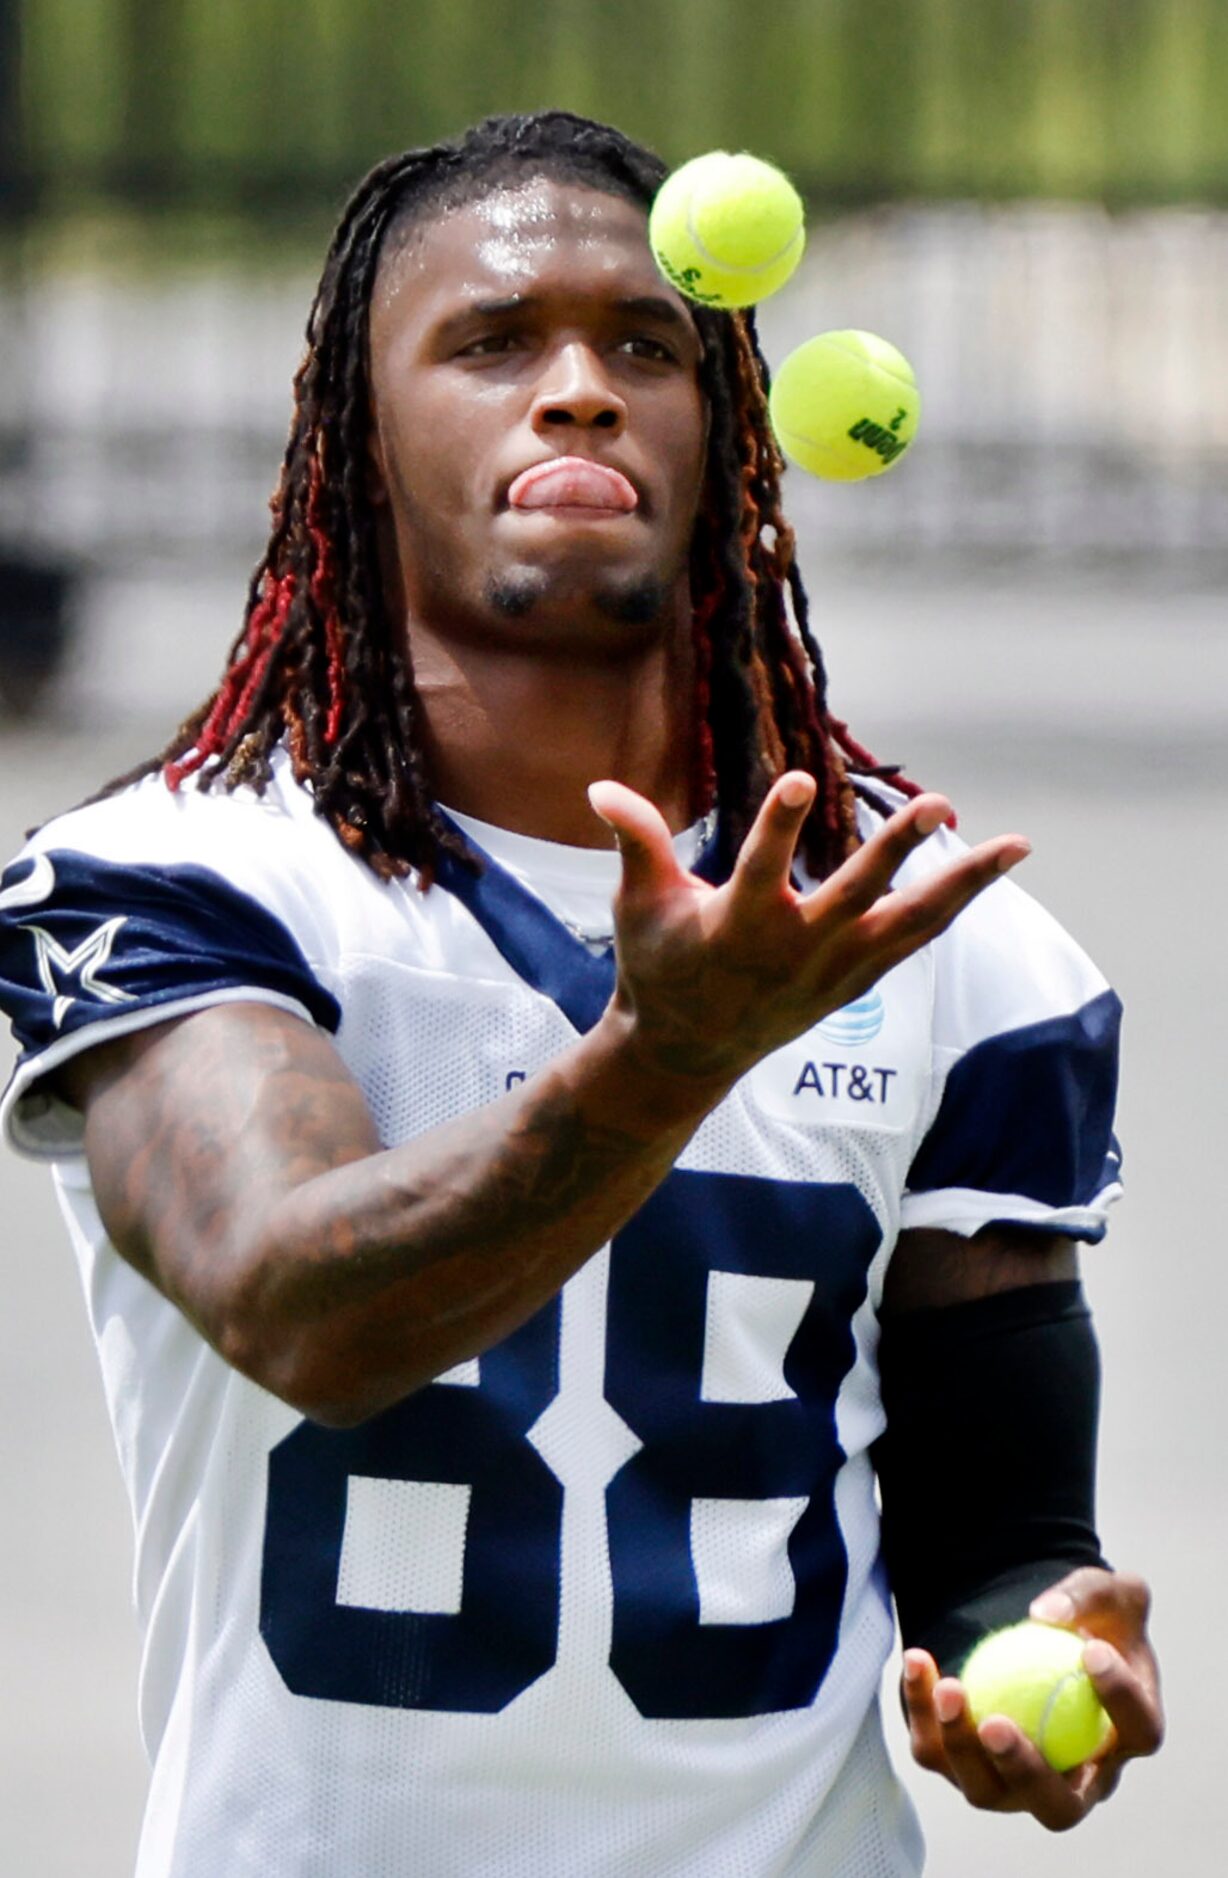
pixel 607 1601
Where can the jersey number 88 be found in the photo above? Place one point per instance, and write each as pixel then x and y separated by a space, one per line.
pixel 504 1636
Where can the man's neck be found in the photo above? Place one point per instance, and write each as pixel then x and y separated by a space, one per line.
pixel 515 738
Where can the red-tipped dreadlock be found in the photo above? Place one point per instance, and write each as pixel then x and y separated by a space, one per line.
pixel 322 670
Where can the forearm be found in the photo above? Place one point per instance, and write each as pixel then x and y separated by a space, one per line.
pixel 987 1468
pixel 236 1165
pixel 367 1280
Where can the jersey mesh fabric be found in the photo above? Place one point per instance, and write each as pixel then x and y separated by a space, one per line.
pixel 686 1691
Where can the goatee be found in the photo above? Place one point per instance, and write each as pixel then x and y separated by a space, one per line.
pixel 636 602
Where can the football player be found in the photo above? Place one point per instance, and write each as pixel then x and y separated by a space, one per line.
pixel 547 1124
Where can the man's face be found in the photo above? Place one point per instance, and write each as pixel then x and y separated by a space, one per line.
pixel 539 429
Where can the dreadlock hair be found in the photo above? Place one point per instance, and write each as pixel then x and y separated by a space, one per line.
pixel 320 668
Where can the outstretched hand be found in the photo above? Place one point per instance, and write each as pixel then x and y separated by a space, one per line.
pixel 996 1767
pixel 717 977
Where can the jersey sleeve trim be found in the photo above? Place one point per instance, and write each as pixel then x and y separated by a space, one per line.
pixel 965 1211
pixel 39 1125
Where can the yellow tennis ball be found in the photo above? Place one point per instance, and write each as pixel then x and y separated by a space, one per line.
pixel 727 230
pixel 845 406
pixel 1034 1675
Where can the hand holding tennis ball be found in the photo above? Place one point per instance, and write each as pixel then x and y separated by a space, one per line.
pixel 1033 1674
pixel 845 406
pixel 974 1731
pixel 727 229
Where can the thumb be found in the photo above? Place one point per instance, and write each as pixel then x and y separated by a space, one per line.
pixel 643 836
pixel 1113 1604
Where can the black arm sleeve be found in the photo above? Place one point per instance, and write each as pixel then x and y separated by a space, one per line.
pixel 987 1468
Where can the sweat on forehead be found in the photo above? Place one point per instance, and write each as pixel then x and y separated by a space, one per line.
pixel 458 187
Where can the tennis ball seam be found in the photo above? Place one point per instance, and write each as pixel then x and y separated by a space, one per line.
pixel 738 267
pixel 1046 1715
pixel 888 371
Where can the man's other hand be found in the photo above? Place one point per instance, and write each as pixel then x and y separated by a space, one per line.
pixel 996 1767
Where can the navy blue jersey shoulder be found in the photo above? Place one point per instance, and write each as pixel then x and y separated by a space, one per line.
pixel 535 943
pixel 83 939
pixel 1031 1112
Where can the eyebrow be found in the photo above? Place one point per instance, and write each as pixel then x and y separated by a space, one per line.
pixel 639 306
pixel 654 307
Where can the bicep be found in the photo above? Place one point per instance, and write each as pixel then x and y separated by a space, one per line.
pixel 930 1268
pixel 195 1130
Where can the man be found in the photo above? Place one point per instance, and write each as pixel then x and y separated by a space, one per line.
pixel 489 1284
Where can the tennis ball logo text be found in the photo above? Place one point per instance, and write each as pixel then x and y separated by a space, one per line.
pixel 882 440
pixel 686 279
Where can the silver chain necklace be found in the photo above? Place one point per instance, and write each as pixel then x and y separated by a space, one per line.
pixel 599 943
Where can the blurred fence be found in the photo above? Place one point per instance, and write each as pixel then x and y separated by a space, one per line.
pixel 259 101
pixel 1029 197
pixel 1074 396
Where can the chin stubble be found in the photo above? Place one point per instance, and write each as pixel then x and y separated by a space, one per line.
pixel 628 603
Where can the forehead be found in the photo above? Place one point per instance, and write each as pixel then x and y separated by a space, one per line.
pixel 541 235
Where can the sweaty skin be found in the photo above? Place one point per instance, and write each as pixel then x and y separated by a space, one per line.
pixel 233 1157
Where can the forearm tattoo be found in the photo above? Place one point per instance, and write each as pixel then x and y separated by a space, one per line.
pixel 237 1165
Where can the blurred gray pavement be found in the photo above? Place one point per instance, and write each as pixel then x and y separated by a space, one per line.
pixel 1091 714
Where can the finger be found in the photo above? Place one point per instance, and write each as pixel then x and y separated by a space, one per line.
pixel 1131 1705
pixel 900 923
pixel 866 875
pixel 1096 1780
pixel 971 1767
pixel 1112 1604
pixel 644 841
pixel 1027 1782
pixel 996 1768
pixel 767 853
pixel 920 1673
pixel 1111 1609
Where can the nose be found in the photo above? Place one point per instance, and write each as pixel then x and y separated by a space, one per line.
pixel 575 391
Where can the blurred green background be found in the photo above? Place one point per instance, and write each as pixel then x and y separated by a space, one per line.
pixel 1029 197
pixel 251 102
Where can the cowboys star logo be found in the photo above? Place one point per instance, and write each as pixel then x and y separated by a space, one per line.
pixel 57 968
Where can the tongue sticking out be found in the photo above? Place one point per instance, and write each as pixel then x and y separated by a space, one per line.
pixel 572 482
